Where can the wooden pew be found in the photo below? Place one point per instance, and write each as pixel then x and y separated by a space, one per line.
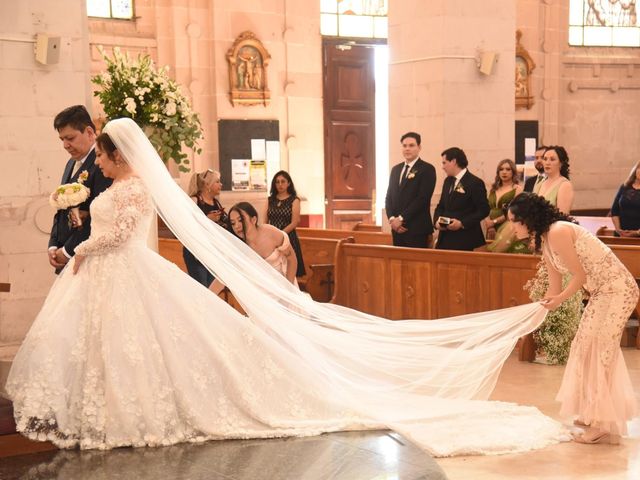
pixel 367 227
pixel 400 283
pixel 171 249
pixel 611 240
pixel 364 237
pixel 5 287
pixel 319 258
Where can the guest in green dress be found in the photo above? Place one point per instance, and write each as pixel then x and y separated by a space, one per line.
pixel 504 189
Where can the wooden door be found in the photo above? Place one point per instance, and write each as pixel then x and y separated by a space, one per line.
pixel 349 127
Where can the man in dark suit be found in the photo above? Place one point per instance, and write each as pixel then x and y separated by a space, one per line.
pixel 531 182
pixel 408 199
pixel 78 134
pixel 463 204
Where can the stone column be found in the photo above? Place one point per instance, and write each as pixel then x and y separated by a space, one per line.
pixel 32 158
pixel 436 88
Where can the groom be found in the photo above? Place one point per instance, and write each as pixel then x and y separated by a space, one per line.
pixel 78 135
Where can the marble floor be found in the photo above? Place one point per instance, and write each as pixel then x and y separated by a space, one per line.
pixel 355 455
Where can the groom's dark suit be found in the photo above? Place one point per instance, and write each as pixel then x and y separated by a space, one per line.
pixel 411 199
pixel 468 203
pixel 61 234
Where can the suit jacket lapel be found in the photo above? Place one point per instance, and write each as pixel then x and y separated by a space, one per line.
pixel 86 165
pixel 66 176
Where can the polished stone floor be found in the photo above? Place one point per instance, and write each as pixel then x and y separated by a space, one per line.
pixel 356 455
pixel 345 455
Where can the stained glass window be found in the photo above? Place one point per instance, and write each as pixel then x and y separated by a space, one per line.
pixel 120 9
pixel 609 23
pixel 354 18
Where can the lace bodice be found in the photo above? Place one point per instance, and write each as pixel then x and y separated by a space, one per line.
pixel 593 254
pixel 120 216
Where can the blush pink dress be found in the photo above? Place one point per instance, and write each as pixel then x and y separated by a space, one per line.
pixel 596 385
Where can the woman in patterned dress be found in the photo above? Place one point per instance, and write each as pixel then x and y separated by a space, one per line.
pixel 283 212
pixel 596 385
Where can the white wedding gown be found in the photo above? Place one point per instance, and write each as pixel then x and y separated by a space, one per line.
pixel 132 351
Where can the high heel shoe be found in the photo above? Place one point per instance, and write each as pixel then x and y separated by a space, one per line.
pixel 601 437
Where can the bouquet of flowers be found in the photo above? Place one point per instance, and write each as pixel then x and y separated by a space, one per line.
pixel 139 90
pixel 70 195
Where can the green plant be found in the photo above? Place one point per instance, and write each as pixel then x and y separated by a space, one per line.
pixel 138 90
pixel 553 338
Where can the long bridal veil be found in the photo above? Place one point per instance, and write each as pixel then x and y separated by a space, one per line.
pixel 418 377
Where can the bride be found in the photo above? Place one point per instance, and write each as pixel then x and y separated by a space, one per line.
pixel 129 351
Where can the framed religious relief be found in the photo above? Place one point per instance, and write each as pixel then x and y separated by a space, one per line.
pixel 248 62
pixel 524 67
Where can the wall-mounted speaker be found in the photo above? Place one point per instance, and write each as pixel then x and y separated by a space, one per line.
pixel 47 49
pixel 487 62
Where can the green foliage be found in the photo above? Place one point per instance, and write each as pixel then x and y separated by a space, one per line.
pixel 144 93
pixel 554 337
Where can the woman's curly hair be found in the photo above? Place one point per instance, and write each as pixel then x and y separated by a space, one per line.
pixel 537 214
pixel 563 156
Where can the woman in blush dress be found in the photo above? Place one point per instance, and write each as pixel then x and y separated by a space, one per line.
pixel 625 211
pixel 596 385
pixel 266 240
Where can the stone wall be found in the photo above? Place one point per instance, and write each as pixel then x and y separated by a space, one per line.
pixel 31 156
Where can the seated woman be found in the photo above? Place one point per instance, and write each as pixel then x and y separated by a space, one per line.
pixel 504 189
pixel 625 211
pixel 204 187
pixel 267 241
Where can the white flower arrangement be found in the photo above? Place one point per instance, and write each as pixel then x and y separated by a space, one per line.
pixel 146 94
pixel 553 338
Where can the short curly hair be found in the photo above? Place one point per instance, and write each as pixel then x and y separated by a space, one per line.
pixel 537 214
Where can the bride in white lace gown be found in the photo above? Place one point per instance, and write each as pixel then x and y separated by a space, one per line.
pixel 131 351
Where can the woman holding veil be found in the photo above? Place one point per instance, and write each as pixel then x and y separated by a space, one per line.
pixel 128 350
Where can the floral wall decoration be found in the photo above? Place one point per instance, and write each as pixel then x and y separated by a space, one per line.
pixel 137 89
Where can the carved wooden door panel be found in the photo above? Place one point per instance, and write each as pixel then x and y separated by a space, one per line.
pixel 349 124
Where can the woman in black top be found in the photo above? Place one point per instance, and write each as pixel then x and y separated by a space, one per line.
pixel 203 190
pixel 625 211
pixel 283 212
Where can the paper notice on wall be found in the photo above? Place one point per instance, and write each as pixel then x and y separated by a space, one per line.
pixel 258 149
pixel 273 159
pixel 530 145
pixel 240 174
pixel 258 175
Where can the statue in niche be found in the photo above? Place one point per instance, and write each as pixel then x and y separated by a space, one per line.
pixel 524 67
pixel 248 61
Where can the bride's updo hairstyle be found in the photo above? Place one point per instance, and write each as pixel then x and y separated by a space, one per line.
pixel 243 207
pixel 106 145
pixel 537 214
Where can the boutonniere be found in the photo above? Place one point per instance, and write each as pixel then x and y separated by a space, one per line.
pixel 411 174
pixel 83 176
pixel 459 188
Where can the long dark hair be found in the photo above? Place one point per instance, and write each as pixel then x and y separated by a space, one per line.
pixel 514 178
pixel 563 156
pixel 537 214
pixel 291 190
pixel 241 207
